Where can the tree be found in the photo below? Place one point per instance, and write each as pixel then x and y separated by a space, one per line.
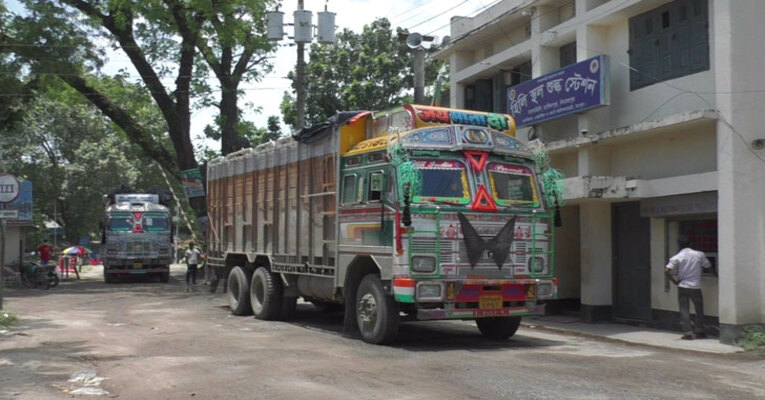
pixel 371 71
pixel 61 140
pixel 163 40
pixel 232 42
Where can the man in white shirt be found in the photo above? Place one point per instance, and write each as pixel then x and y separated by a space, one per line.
pixel 192 259
pixel 688 265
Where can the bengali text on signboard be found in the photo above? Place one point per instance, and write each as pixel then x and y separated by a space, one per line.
pixel 575 88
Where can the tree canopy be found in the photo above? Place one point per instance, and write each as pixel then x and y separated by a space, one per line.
pixel 174 46
pixel 370 70
pixel 59 142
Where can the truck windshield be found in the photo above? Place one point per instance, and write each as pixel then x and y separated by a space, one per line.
pixel 120 223
pixel 156 222
pixel 443 179
pixel 512 184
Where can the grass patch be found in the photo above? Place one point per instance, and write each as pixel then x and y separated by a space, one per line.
pixel 7 319
pixel 752 338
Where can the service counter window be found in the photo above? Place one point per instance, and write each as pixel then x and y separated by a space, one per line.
pixel 702 232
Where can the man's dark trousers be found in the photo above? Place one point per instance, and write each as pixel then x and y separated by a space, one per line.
pixel 684 296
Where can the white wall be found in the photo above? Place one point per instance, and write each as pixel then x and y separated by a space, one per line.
pixel 673 153
pixel 12 241
pixel 740 54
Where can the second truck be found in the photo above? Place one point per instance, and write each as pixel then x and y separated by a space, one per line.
pixel 415 213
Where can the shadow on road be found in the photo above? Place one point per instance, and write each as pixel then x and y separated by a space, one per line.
pixel 430 336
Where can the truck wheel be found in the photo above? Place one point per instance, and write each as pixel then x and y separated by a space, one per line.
pixel 498 328
pixel 266 295
pixel 376 312
pixel 289 305
pixel 109 278
pixel 164 277
pixel 238 290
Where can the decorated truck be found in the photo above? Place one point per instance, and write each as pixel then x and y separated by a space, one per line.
pixel 137 236
pixel 414 213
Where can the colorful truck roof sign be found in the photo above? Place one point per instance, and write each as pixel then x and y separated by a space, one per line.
pixel 454 138
pixel 136 197
pixel 413 116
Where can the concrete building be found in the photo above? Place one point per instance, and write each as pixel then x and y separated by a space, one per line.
pixel 674 145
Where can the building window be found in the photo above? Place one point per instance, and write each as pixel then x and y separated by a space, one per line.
pixel 520 73
pixel 567 54
pixel 669 42
pixel 702 232
pixel 478 96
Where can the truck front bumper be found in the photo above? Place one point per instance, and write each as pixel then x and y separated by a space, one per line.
pixel 473 313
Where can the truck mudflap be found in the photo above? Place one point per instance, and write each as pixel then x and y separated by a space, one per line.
pixel 474 298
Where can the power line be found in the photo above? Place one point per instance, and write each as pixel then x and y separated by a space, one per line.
pixel 414 15
pixel 438 15
pixel 410 10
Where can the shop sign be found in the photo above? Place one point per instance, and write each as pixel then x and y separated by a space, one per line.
pixel 684 204
pixel 9 188
pixel 192 183
pixel 572 89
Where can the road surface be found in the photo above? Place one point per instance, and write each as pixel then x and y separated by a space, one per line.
pixel 147 340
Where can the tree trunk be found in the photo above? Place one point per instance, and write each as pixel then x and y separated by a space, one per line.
pixel 229 114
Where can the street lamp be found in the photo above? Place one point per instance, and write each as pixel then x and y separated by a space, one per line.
pixel 303 33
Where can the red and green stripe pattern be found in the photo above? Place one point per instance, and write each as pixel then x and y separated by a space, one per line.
pixel 403 290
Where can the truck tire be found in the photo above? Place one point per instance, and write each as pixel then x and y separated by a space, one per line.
pixel 266 295
pixel 289 306
pixel 238 292
pixel 498 328
pixel 376 312
pixel 109 278
pixel 164 277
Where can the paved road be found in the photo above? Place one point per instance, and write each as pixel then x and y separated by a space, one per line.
pixel 147 340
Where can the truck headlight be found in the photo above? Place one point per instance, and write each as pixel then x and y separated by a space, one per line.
pixel 429 292
pixel 423 264
pixel 544 290
pixel 537 265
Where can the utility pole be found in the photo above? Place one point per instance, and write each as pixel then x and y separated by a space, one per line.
pixel 419 75
pixel 303 33
pixel 417 42
pixel 300 77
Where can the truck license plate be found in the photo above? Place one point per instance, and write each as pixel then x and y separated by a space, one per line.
pixel 490 302
pixel 137 265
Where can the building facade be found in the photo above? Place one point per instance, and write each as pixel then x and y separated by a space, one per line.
pixel 673 146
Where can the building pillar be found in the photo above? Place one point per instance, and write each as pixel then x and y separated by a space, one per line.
pixel 596 261
pixel 741 164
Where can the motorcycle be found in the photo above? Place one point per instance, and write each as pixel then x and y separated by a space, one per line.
pixel 34 275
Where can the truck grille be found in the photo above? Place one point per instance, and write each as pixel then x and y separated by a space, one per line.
pixel 519 253
pixel 138 248
pixel 428 246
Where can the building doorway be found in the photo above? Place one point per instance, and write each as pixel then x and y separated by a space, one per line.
pixel 632 263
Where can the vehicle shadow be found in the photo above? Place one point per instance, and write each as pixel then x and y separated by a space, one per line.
pixel 95 285
pixel 422 336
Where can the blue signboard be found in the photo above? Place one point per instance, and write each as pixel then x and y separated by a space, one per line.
pixel 22 203
pixel 572 89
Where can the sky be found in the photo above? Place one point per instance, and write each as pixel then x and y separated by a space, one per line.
pixel 429 17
